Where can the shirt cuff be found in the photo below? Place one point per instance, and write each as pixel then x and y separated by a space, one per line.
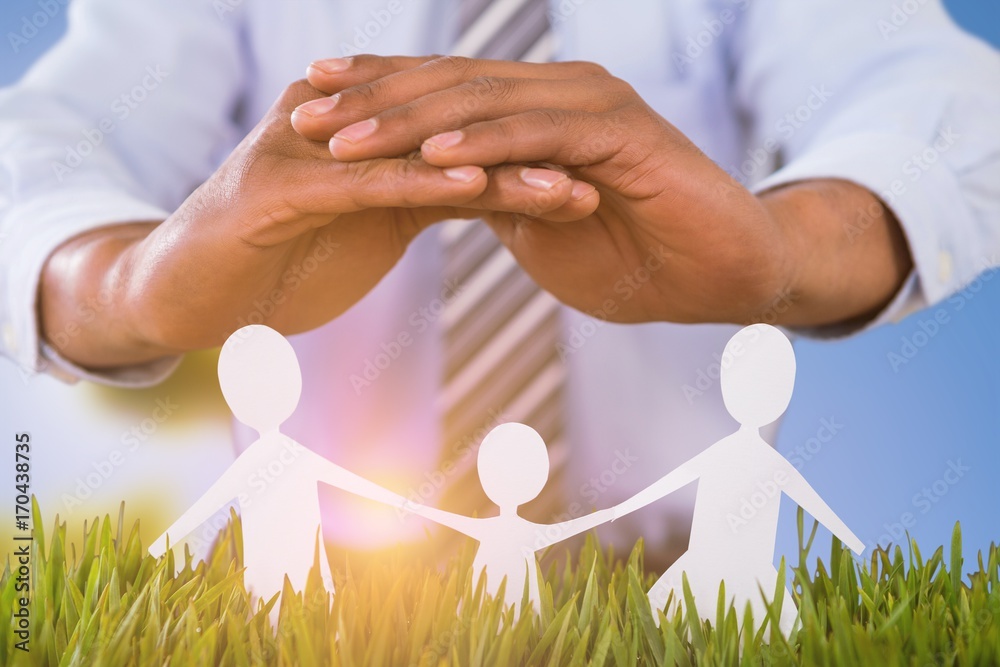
pixel 30 233
pixel 925 198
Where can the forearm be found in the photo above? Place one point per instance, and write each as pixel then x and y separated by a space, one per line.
pixel 845 254
pixel 83 311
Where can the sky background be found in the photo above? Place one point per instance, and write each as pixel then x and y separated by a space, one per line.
pixel 898 431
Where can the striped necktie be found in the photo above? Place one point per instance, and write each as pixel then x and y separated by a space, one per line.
pixel 500 332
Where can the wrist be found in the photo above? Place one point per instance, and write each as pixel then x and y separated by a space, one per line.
pixel 84 311
pixel 830 277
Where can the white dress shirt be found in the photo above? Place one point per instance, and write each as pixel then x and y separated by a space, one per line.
pixel 140 102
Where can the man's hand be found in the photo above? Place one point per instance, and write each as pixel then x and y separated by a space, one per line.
pixel 282 233
pixel 673 237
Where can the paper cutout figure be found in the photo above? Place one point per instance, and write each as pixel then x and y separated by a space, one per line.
pixel 740 482
pixel 513 466
pixel 261 381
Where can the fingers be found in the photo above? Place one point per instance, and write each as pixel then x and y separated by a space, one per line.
pixel 568 138
pixel 398 81
pixel 342 187
pixel 329 186
pixel 336 74
pixel 536 193
pixel 403 128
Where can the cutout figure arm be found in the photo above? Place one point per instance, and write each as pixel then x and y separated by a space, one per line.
pixel 466 525
pixel 224 490
pixel 799 490
pixel 330 473
pixel 677 478
pixel 568 529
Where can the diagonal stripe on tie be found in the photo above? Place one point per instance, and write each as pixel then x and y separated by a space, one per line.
pixel 500 333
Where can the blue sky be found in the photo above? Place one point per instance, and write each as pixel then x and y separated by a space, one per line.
pixel 911 446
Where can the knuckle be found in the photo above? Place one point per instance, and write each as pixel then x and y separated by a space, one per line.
pixel 508 135
pixel 395 172
pixel 620 86
pixel 493 88
pixel 365 94
pixel 366 60
pixel 588 68
pixel 404 172
pixel 550 118
pixel 295 94
pixel 361 173
pixel 453 65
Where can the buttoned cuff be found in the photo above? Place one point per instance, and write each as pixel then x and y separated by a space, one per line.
pixel 922 193
pixel 29 234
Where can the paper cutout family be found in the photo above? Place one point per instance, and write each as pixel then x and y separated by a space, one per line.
pixel 261 381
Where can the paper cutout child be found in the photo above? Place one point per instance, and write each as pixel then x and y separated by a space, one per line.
pixel 261 381
pixel 513 467
pixel 740 482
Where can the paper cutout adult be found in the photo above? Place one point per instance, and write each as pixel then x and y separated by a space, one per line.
pixel 513 466
pixel 740 482
pixel 261 381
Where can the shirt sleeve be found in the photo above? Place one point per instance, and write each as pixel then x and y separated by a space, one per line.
pixel 117 123
pixel 895 98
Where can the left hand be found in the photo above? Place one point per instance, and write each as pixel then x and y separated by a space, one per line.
pixel 671 237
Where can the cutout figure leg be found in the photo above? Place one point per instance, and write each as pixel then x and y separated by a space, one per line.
pixel 789 612
pixel 670 582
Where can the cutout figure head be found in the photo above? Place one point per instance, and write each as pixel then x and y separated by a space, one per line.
pixel 758 374
pixel 260 377
pixel 513 465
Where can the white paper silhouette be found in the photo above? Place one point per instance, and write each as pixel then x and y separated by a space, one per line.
pixel 275 480
pixel 513 465
pixel 740 482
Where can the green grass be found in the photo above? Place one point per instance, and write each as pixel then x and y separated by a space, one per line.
pixel 104 601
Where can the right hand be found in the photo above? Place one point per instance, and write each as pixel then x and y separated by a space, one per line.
pixel 281 234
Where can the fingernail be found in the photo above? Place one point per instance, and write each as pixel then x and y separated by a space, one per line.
pixel 463 174
pixel 358 131
pixel 318 107
pixel 541 178
pixel 332 65
pixel 581 190
pixel 446 140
